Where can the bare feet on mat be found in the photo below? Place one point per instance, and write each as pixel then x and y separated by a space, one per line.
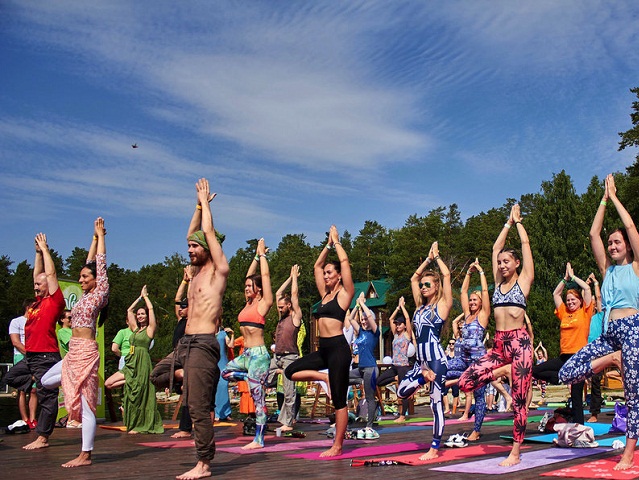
pixel 592 419
pixel 513 459
pixel 430 454
pixel 332 452
pixel 286 428
pixel 82 460
pixel 252 446
pixel 133 432
pixel 463 418
pixel 181 434
pixel 201 470
pixel 40 442
pixel 473 436
pixel 400 419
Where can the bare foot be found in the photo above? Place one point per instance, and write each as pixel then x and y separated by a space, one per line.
pixel 286 428
pixel 81 460
pixel 252 446
pixel 430 454
pixel 513 459
pixel 181 434
pixel 201 470
pixel 473 436
pixel 334 451
pixel 400 419
pixel 40 442
pixel 463 418
pixel 623 464
pixel 509 406
pixel 592 419
pixel 133 432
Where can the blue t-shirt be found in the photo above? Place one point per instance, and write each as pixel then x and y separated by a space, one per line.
pixel 366 342
pixel 596 326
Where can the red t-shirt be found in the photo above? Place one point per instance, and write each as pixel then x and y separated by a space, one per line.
pixel 39 331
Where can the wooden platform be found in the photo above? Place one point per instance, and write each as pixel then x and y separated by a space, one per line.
pixel 119 456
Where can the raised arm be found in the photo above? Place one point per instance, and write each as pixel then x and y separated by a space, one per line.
pixel 318 268
pixel 150 330
pixel 592 279
pixel 345 267
pixel 557 294
pixel 352 320
pixel 527 274
pixel 130 315
pixel 392 319
pixel 46 263
pixel 368 313
pixel 485 298
pixel 456 332
pixel 631 230
pixel 597 245
pixel 463 294
pixel 266 301
pixel 409 325
pixel 417 276
pixel 499 245
pixel 295 292
pixel 280 291
pixel 446 302
pixel 217 255
pixel 585 288
pixel 182 290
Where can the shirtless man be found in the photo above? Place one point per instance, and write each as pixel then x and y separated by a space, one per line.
pixel 198 350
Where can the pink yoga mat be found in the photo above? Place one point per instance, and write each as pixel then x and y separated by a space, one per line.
pixel 447 454
pixel 242 440
pixel 349 452
pixel 287 446
pixel 598 469
pixel 534 459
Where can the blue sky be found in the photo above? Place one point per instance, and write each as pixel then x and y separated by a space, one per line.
pixel 301 114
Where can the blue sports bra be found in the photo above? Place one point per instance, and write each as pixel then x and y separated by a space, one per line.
pixel 512 298
pixel 619 289
pixel 331 309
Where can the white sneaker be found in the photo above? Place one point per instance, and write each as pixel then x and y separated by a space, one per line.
pixel 371 434
pixel 361 434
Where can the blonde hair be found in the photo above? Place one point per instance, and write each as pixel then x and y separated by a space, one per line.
pixel 440 288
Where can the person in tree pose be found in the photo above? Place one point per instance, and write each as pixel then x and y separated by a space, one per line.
pixel 433 297
pixel 335 285
pixel 78 371
pixel 620 301
pixel 254 362
pixel 470 345
pixel 512 340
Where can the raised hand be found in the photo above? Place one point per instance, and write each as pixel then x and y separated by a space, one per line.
pixel 98 227
pixel 295 271
pixel 515 213
pixel 333 235
pixel 144 292
pixel 401 301
pixel 261 247
pixel 41 242
pixel 611 189
pixel 569 271
pixel 204 194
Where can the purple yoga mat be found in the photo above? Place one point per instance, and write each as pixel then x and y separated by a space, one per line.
pixel 288 446
pixel 365 451
pixel 534 459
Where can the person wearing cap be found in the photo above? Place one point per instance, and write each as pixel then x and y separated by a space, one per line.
pixel 402 338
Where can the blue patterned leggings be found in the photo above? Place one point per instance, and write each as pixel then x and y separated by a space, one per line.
pixel 252 366
pixel 456 367
pixel 622 334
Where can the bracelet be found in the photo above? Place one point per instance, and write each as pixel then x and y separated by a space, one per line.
pixel 572 279
pixel 596 283
pixel 436 258
pixel 603 202
pixel 506 225
pixel 481 272
pixel 336 243
pixel 263 255
pixel 518 223
pixel 417 273
pixel 329 247
pixel 256 257
pixel 468 273
pixel 198 207
pixel 565 281
pixel 184 281
pixel 95 237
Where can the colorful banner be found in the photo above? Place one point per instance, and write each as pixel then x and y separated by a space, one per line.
pixel 72 293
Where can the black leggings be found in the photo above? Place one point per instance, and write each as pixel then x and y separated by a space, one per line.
pixel 335 354
pixel 548 372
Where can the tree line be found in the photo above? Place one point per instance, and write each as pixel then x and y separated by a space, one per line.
pixel 557 220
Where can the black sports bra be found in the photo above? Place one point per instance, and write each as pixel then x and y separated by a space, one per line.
pixel 331 309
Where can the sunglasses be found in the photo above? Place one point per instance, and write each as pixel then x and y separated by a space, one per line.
pixel 425 284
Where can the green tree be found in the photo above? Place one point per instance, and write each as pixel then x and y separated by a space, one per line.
pixel 630 138
pixel 74 263
pixel 370 250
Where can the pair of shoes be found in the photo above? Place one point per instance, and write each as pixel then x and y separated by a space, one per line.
pixel 330 433
pixel 32 424
pixel 350 435
pixel 457 440
pixel 370 434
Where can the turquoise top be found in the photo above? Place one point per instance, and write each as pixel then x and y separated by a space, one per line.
pixel 619 289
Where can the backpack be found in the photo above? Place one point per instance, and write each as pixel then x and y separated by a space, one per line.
pixel 619 422
pixel 249 426
pixel 574 435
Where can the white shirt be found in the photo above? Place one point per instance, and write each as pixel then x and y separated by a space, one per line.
pixel 17 327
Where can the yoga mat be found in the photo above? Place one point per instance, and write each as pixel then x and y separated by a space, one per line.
pixel 598 469
pixel 447 454
pixel 365 451
pixel 287 446
pixel 122 428
pixel 547 438
pixel 529 460
pixel 405 428
pixel 509 421
pixel 408 420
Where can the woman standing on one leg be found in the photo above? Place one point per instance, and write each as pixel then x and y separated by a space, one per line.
pixel 470 347
pixel 620 301
pixel 402 338
pixel 512 341
pixel 574 316
pixel 335 285
pixel 433 300
pixel 138 395
pixel 254 362
pixel 78 371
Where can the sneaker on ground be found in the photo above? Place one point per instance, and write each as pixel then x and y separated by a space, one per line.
pixel 371 434
pixel 361 434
